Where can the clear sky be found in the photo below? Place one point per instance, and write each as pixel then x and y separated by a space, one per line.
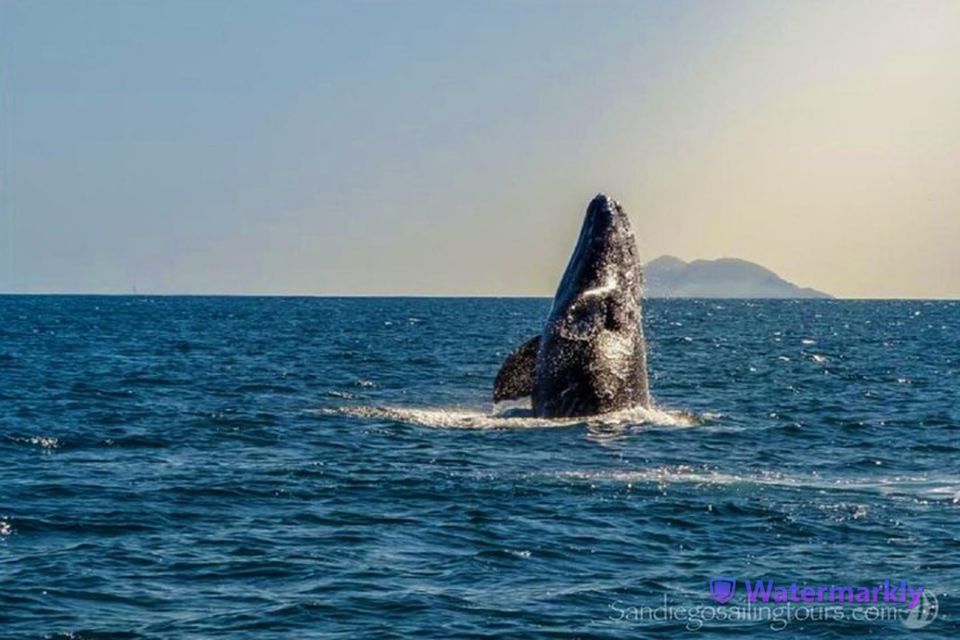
pixel 450 147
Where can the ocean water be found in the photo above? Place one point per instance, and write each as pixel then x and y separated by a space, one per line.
pixel 194 467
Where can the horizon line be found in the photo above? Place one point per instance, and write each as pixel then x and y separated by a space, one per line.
pixel 437 296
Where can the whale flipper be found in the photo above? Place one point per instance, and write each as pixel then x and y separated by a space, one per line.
pixel 518 373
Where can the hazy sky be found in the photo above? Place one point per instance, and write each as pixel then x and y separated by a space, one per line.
pixel 450 147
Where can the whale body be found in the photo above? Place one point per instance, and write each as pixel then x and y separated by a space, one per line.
pixel 590 357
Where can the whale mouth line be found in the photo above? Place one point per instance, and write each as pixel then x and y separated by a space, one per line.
pixel 610 284
pixel 518 417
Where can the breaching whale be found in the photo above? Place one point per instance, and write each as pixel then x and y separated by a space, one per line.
pixel 591 356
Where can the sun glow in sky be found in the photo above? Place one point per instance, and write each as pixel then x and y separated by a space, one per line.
pixel 451 147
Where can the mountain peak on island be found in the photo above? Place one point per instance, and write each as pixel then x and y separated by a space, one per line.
pixel 667 263
pixel 671 277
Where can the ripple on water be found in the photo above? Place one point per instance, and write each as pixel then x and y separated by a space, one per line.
pixel 945 489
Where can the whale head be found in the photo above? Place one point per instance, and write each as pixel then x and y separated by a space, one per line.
pixel 592 356
pixel 602 283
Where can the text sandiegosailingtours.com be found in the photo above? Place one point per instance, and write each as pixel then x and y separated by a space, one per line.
pixel 779 604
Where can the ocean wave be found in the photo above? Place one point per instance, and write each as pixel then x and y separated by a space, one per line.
pixel 942 489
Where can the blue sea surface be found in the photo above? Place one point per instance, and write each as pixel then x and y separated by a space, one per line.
pixel 211 467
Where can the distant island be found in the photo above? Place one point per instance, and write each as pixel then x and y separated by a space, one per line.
pixel 671 277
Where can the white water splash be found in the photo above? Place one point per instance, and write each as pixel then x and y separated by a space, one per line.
pixel 512 418
pixel 44 442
